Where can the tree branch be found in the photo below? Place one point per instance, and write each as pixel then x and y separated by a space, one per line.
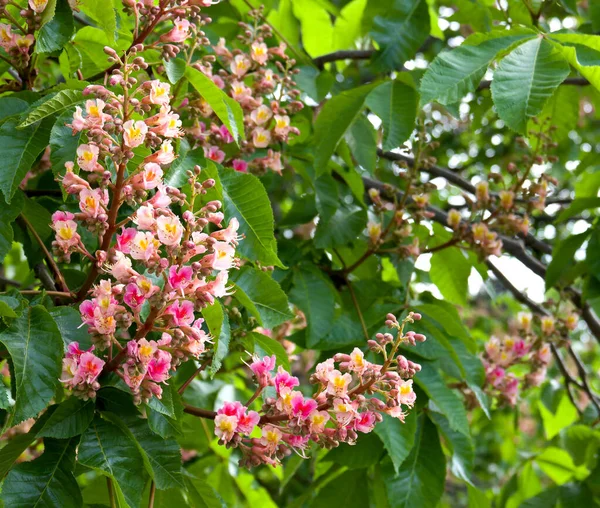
pixel 354 54
pixel 484 85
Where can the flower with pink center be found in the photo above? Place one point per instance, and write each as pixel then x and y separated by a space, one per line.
pixel 87 157
pixel 510 389
pixel 182 313
pixel 169 229
pixel 134 297
pixel 232 409
pixel 240 65
pixel 225 427
pixel 158 367
pixel 229 234
pixel 259 52
pixel 261 115
pixel 337 383
pixel 179 33
pixel 240 165
pixel 105 324
pixel 214 153
pixel 365 422
pixel 406 395
pixel 180 277
pixel 262 369
pixel 520 348
pixel 134 133
pixel 317 421
pixel 159 92
pixel 90 202
pixel 90 367
pixel 261 137
pixel 86 309
pixel 62 216
pixel 125 238
pixel 495 376
pixel 223 256
pixel 282 125
pixel 247 422
pixel 301 407
pixel 149 178
pixel 284 380
pixel 144 246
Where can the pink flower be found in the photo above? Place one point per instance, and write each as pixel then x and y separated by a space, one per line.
pixel 90 202
pixel 125 238
pixel 495 376
pixel 87 157
pixel 406 395
pixel 301 407
pixel 365 422
pixel 134 133
pixel 317 421
pixel 178 33
pixel 247 422
pixel 182 313
pixel 66 234
pixel 284 379
pixel 337 383
pixel 169 229
pixel 271 436
pixel 520 348
pixel 133 297
pixel 544 354
pixel 228 234
pixel 121 268
pixel 223 256
pixel 218 287
pixel 72 183
pixel 282 125
pixel 105 324
pixel 261 115
pixel 262 369
pixel 86 309
pixel 232 409
pixel 90 367
pixel 240 65
pixel 95 114
pixel 164 155
pixel 225 134
pixel 159 92
pixel 158 367
pixel 161 198
pixel 149 178
pixel 259 53
pixel 240 165
pixel 144 217
pixel 215 154
pixel 261 137
pixel 225 427
pixel 38 5
pixel 144 246
pixel 180 278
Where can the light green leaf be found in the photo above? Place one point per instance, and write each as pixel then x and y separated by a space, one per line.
pixel 226 109
pixel 266 346
pixel 348 25
pixel 60 102
pixel 559 116
pixel 218 324
pixel 420 480
pixel 34 344
pixel 313 294
pixel 8 214
pixel 525 80
pixel 565 415
pixel 262 297
pixel 578 206
pixel 398 438
pixel 46 482
pixel 103 14
pixel 19 148
pixel 54 34
pixel 572 46
pixel 453 74
pixel 175 68
pixel 317 30
pixel 450 272
pixel 109 450
pixel 559 466
pixel 396 104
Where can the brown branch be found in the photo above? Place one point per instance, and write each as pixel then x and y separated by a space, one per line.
pixel 569 81
pixel 188 381
pixel 353 54
pixel 58 294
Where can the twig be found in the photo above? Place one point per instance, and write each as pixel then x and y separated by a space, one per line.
pixel 59 294
pixel 152 494
pixel 188 381
pixel 354 54
pixel 357 307
pixel 111 493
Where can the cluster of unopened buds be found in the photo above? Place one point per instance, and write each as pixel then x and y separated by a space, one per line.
pixel 162 267
pixel 260 79
pixel 352 395
pixel 530 346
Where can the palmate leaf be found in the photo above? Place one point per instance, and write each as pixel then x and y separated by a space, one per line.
pixel 420 480
pixel 60 102
pixel 453 282
pixel 262 345
pixel 218 324
pixel 108 449
pixel 262 297
pixel 227 109
pixel 54 34
pixel 36 349
pixel 398 437
pixel 453 74
pixel 71 418
pixel 47 481
pixel 525 80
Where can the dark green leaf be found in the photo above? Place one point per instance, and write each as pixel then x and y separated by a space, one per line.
pixel 60 102
pixel 218 324
pixel 63 143
pixel 266 346
pixel 175 68
pixel 58 31
pixel 563 256
pixel 70 419
pixel 8 214
pixel 398 437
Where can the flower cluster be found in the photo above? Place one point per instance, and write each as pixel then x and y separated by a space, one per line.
pixel 260 79
pixel 352 394
pixel 163 267
pixel 530 346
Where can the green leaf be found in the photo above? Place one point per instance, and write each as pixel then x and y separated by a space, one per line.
pixel 420 480
pixel 348 26
pixel 19 148
pixel 348 489
pixel 563 257
pixel 367 452
pixel 226 109
pixel 362 141
pixel 344 227
pixel 559 116
pixel 313 294
pixel 559 466
pixel 450 272
pixel 110 451
pixel 70 326
pixel 177 173
pixel 47 481
pixel 337 115
pixel 58 31
pixel 34 344
pixel 8 214
pixel 400 32
pixel 398 438
pixel 86 51
pixel 446 399
pixel 202 494
pixel 103 14
pixel 11 107
pixel 245 198
pixel 396 104
pixel 565 415
pixel 70 419
pixel 266 346
pixel 315 22
pixel 262 297
pixel 525 80
pixel 63 143
pixel 175 69
pixel 578 206
pixel 582 51
pixel 60 102
pixel 218 324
